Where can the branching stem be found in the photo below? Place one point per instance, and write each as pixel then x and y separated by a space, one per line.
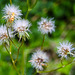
pixel 56 68
pixel 12 59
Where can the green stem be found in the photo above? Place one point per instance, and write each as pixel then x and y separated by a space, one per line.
pixel 11 2
pixel 12 59
pixel 13 43
pixel 10 53
pixel 28 3
pixel 23 62
pixel 6 49
pixel 18 51
pixel 43 42
pixel 30 8
pixel 27 14
pixel 11 39
pixel 62 61
pixel 56 68
pixel 34 4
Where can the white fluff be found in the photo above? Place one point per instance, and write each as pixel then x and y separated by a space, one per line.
pixel 9 9
pixel 43 58
pixel 46 25
pixel 64 49
pixel 3 34
pixel 22 27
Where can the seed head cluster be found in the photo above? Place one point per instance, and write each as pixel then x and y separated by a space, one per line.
pixel 4 35
pixel 46 25
pixel 22 27
pixel 65 48
pixel 11 12
pixel 39 59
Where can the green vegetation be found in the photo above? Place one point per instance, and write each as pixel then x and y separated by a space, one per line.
pixel 63 12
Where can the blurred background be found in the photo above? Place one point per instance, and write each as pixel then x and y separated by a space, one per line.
pixel 63 12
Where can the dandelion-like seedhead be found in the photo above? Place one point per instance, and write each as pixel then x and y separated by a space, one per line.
pixel 46 25
pixel 11 12
pixel 4 35
pixel 65 48
pixel 22 27
pixel 39 59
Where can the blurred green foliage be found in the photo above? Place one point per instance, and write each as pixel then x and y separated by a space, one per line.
pixel 63 12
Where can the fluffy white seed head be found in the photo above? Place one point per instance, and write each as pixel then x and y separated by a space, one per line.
pixel 46 25
pixel 22 27
pixel 39 59
pixel 11 12
pixel 64 49
pixel 3 34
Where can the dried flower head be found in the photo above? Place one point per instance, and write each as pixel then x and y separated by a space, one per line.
pixel 39 59
pixel 22 27
pixel 64 49
pixel 11 12
pixel 46 25
pixel 4 35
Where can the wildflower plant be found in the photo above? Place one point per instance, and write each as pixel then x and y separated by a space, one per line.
pixel 15 25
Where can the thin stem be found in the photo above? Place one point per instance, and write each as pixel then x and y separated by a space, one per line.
pixel 11 39
pixel 14 65
pixel 10 47
pixel 30 8
pixel 27 14
pixel 28 3
pixel 34 3
pixel 56 68
pixel 11 2
pixel 18 51
pixel 62 61
pixel 15 68
pixel 23 62
pixel 6 49
pixel 13 43
pixel 43 42
pixel 11 59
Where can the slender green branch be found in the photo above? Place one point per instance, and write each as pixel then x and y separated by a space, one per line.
pixel 11 2
pixel 6 49
pixel 15 68
pixel 43 42
pixel 10 47
pixel 14 64
pixel 28 3
pixel 27 14
pixel 30 8
pixel 23 62
pixel 18 51
pixel 13 43
pixel 11 59
pixel 56 68
pixel 11 39
pixel 34 4
pixel 62 60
